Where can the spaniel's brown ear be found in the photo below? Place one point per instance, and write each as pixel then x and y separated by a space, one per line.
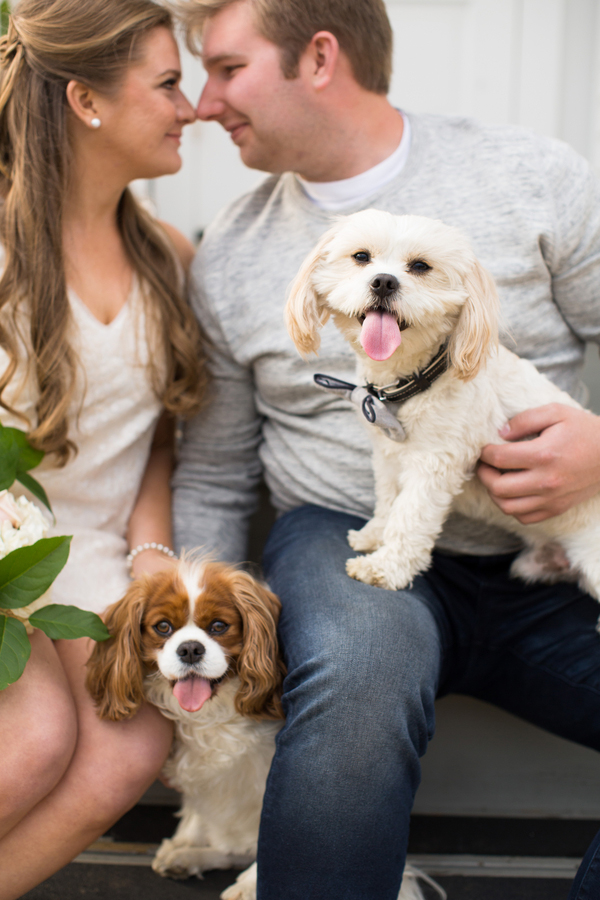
pixel 260 668
pixel 115 673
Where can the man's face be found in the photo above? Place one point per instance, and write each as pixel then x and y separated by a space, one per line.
pixel 267 115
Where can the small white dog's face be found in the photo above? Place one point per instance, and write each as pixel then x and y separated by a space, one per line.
pixel 396 286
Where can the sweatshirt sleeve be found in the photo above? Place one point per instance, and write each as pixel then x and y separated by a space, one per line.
pixel 573 251
pixel 218 469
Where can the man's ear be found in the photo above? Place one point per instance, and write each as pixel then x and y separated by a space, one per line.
pixel 82 101
pixel 319 59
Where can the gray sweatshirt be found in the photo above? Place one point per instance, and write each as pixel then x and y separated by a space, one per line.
pixel 531 207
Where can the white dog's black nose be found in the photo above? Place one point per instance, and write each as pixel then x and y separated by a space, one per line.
pixel 191 651
pixel 383 285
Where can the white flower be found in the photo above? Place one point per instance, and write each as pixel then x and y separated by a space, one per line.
pixel 25 611
pixel 21 523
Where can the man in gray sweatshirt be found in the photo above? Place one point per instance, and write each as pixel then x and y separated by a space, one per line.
pixel 301 88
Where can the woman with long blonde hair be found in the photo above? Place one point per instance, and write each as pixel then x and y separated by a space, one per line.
pixel 98 353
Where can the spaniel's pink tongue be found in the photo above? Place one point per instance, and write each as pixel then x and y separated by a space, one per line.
pixel 380 335
pixel 192 693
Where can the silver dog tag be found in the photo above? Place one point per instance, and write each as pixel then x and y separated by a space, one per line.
pixel 375 411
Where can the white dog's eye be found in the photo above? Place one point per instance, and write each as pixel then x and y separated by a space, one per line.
pixel 218 627
pixel 418 265
pixel 363 256
pixel 163 628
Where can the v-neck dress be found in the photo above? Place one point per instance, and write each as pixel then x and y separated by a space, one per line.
pixel 112 423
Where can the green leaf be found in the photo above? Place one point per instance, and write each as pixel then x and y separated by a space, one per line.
pixel 69 622
pixel 29 458
pixel 14 650
pixel 9 459
pixel 4 11
pixel 26 573
pixel 35 487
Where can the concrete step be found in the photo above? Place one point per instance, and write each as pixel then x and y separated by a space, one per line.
pixel 472 858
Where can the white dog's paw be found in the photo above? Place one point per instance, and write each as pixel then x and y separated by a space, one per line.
pixel 380 569
pixel 368 538
pixel 173 860
pixel 244 887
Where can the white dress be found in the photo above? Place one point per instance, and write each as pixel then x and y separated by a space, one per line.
pixel 92 497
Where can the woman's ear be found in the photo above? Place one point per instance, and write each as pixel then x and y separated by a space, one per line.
pixel 115 675
pixel 83 102
pixel 260 668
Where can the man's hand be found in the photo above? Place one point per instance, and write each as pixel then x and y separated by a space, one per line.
pixel 559 467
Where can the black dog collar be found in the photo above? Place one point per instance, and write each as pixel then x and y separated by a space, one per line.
pixel 405 388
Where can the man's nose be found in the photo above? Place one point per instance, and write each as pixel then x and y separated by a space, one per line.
pixel 209 105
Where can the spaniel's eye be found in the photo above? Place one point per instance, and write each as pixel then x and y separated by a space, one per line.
pixel 218 627
pixel 363 256
pixel 418 265
pixel 163 628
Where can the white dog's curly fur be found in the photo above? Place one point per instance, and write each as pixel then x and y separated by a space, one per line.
pixel 437 292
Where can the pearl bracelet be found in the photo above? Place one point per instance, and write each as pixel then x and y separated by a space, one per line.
pixel 151 545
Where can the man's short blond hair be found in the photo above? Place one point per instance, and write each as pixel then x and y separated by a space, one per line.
pixel 361 27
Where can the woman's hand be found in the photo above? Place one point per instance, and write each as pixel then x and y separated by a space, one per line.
pixel 558 467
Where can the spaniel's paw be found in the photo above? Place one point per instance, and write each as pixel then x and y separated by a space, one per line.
pixel 244 887
pixel 379 569
pixel 368 538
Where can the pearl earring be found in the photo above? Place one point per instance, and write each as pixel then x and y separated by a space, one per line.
pixel 95 123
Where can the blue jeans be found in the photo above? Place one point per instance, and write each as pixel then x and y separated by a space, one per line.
pixel 364 668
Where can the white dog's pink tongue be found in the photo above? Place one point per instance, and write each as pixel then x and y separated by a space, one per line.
pixel 192 693
pixel 380 335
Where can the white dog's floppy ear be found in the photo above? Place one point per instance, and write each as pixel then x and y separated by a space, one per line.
pixel 305 311
pixel 477 330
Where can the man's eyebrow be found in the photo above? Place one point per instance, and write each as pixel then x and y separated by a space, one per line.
pixel 219 57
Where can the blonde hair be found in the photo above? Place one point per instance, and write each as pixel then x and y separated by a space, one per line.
pixel 361 27
pixel 48 44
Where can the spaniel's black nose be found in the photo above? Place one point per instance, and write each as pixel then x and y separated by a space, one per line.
pixel 191 651
pixel 383 285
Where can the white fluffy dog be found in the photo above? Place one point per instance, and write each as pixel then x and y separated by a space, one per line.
pixel 410 297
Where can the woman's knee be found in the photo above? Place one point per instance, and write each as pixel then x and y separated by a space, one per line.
pixel 122 763
pixel 39 714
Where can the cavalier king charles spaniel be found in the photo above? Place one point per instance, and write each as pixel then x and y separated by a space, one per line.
pixel 199 641
pixel 421 314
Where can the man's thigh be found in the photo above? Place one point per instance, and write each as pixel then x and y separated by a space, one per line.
pixel 339 631
pixel 534 649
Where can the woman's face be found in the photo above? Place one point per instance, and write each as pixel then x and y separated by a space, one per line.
pixel 142 122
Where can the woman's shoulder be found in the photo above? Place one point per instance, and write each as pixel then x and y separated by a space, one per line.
pixel 184 248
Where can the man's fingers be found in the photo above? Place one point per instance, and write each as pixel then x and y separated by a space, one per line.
pixel 533 421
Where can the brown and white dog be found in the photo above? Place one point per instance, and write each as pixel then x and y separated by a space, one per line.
pixel 199 641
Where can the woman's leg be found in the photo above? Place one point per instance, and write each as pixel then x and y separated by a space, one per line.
pixel 38 725
pixel 113 763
